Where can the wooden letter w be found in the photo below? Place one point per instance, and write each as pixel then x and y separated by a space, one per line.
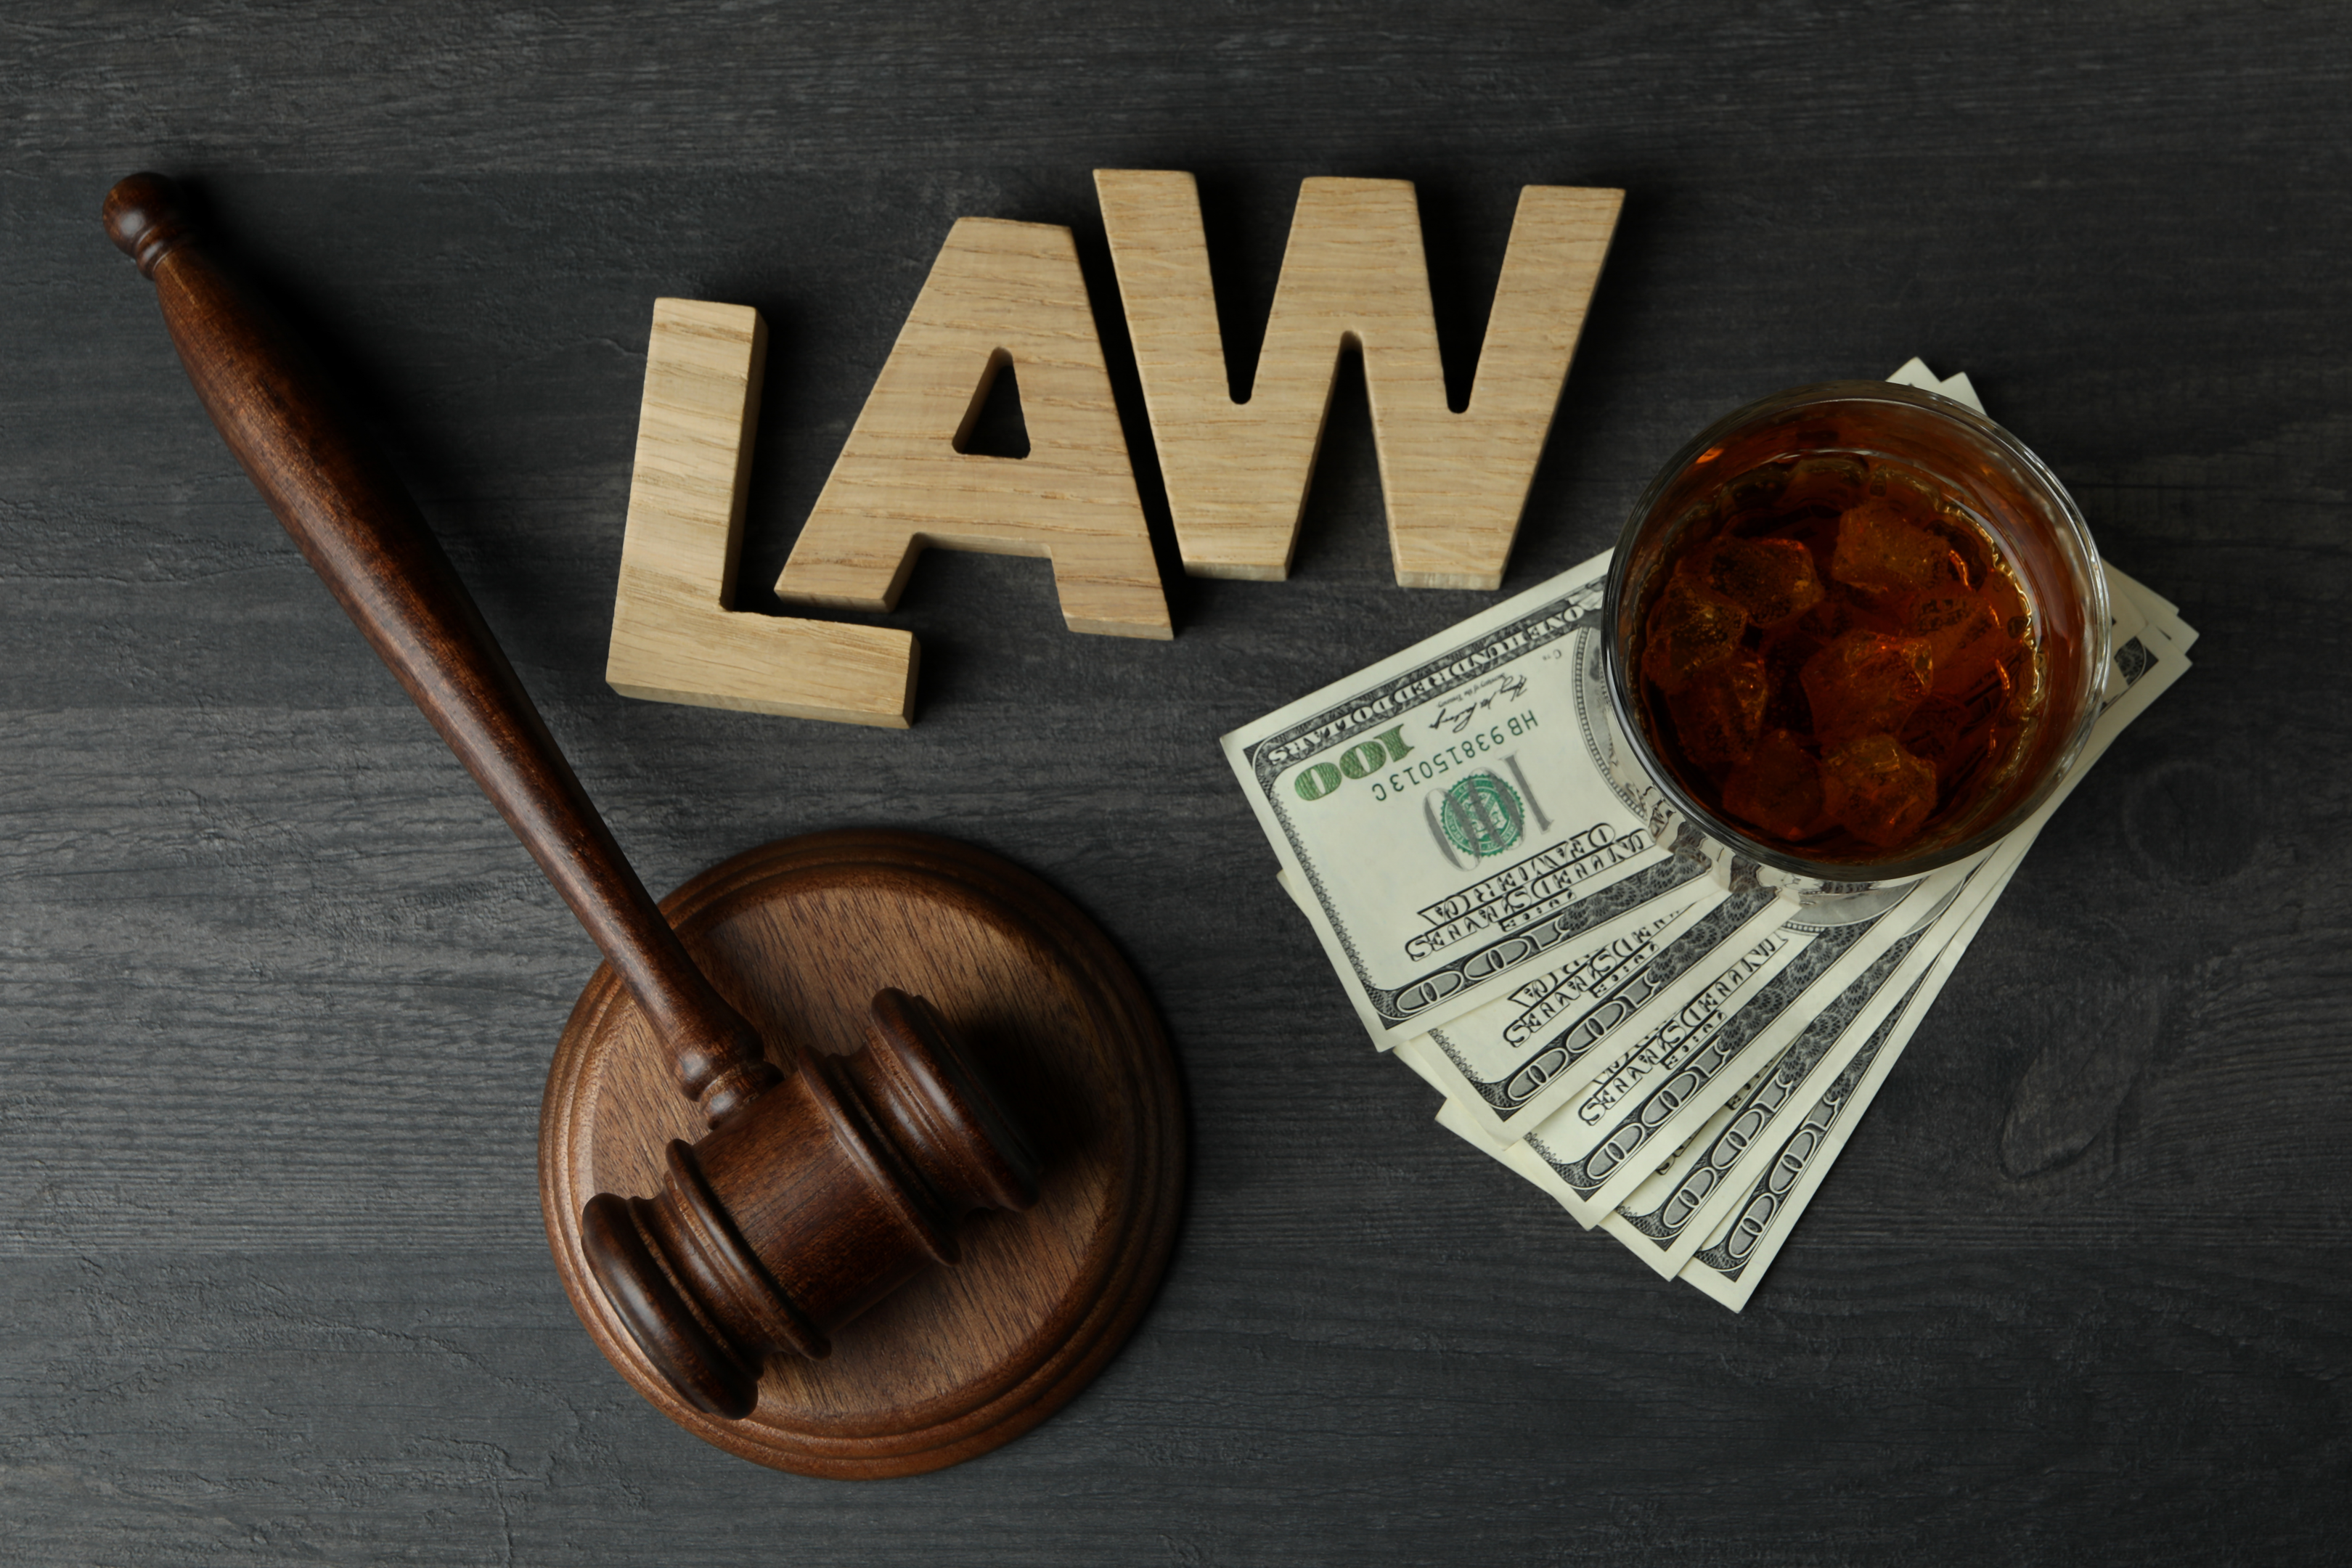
pixel 1354 273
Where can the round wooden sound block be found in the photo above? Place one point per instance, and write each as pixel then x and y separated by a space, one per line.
pixel 800 935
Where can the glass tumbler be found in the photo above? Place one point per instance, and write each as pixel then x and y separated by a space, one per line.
pixel 1989 482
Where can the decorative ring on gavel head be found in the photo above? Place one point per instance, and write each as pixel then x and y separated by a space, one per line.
pixel 822 1195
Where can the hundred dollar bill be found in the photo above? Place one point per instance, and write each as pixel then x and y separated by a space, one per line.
pixel 1598 970
pixel 1727 1131
pixel 1732 1261
pixel 1651 1194
pixel 1602 1144
pixel 2147 665
pixel 1506 1065
pixel 1960 388
pixel 1662 1220
pixel 1679 1065
pixel 1743 1229
pixel 1634 1075
pixel 1576 977
pixel 1445 818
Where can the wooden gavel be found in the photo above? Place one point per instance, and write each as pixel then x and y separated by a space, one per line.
pixel 818 1189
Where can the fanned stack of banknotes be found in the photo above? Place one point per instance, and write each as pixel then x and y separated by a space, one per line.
pixel 1674 1061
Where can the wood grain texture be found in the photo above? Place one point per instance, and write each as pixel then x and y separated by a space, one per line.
pixel 1354 276
pixel 277 991
pixel 1000 294
pixel 965 1357
pixel 675 638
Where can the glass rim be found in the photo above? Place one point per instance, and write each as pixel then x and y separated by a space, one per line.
pixel 1740 840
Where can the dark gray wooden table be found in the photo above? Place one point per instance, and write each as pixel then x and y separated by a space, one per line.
pixel 276 991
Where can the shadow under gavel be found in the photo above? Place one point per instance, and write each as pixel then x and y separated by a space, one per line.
pixel 818 1189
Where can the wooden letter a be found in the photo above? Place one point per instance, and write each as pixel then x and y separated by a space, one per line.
pixel 1000 293
pixel 1354 272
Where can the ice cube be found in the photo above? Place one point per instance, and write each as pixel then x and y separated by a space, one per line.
pixel 1830 620
pixel 1833 482
pixel 1754 491
pixel 1914 493
pixel 1785 653
pixel 1697 522
pixel 1956 734
pixel 1772 579
pixel 1877 789
pixel 1717 715
pixel 1777 788
pixel 1948 736
pixel 1966 634
pixel 1691 628
pixel 1866 682
pixel 1880 548
pixel 2007 602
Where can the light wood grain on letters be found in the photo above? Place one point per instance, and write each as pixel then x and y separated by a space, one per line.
pixel 674 639
pixel 999 292
pixel 1354 272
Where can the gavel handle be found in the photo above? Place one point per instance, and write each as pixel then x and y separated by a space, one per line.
pixel 363 534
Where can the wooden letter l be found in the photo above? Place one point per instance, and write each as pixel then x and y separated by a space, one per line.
pixel 674 638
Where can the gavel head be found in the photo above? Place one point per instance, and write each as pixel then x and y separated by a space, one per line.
pixel 815 1199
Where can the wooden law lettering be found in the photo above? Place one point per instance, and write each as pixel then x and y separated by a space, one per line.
pixel 1354 272
pixel 1011 294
